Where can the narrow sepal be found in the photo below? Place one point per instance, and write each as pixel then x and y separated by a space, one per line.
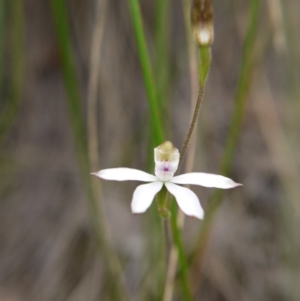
pixel 205 179
pixel 125 174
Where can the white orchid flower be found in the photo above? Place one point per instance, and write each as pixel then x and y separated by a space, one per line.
pixel 166 163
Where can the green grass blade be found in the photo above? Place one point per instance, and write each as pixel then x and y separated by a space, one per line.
pixel 162 53
pixel 70 80
pixel 182 259
pixel 10 109
pixel 157 137
pixel 147 72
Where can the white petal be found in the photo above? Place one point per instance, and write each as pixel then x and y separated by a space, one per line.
pixel 144 195
pixel 125 174
pixel 205 179
pixel 186 200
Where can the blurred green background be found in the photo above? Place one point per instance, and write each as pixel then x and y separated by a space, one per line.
pixel 73 101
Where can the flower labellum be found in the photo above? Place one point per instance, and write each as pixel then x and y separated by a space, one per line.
pixel 166 158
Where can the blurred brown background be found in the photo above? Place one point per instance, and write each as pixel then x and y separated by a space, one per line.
pixel 47 250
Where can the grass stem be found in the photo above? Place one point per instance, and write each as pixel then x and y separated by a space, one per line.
pixel 151 91
pixel 77 121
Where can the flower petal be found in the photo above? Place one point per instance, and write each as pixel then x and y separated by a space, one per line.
pixel 144 195
pixel 186 200
pixel 125 174
pixel 205 179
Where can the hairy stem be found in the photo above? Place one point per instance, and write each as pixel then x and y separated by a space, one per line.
pixel 204 66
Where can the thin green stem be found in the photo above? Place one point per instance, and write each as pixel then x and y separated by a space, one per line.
pixel 204 66
pixel 192 54
pixel 17 58
pixel 235 127
pixel 74 105
pixel 157 133
pixel 162 200
pixel 147 71
pixel 183 265
pixel 162 47
pixel 242 88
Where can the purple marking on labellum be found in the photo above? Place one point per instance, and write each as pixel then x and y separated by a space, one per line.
pixel 166 168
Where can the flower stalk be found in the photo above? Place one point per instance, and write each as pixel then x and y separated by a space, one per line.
pixel 201 18
pixel 203 35
pixel 162 203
